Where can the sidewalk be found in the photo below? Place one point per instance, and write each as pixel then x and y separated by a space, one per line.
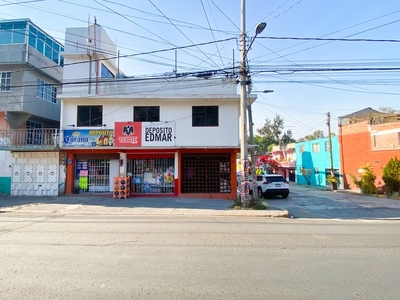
pixel 106 205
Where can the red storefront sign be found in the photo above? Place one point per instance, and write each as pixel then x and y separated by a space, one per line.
pixel 128 134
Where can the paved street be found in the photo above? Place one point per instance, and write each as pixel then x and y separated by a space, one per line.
pixel 180 257
pixel 305 202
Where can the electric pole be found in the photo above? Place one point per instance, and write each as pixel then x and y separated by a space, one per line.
pixel 330 140
pixel 243 106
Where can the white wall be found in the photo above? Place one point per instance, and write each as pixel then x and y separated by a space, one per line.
pixel 179 112
pixel 175 88
pixel 35 173
pixel 5 164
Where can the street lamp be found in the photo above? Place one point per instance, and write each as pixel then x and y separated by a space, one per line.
pixel 244 81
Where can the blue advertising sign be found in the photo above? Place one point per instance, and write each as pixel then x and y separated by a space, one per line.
pixel 88 138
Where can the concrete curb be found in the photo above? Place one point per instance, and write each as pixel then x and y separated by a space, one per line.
pixel 137 211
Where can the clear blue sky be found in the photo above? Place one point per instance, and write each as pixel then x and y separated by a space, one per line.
pixel 302 99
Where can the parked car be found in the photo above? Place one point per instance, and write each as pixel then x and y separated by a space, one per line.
pixel 270 185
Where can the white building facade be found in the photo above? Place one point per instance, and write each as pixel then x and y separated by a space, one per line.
pixel 173 136
pixel 31 71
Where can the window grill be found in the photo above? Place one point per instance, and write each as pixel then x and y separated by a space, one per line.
pixel 98 171
pixel 151 175
pixel 206 173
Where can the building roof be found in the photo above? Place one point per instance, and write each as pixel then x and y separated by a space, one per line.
pixel 361 115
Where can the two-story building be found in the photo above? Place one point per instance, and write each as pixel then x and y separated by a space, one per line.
pixel 174 136
pixel 368 137
pixel 313 161
pixel 285 155
pixel 31 70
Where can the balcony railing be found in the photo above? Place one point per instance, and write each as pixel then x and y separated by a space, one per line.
pixel 29 139
pixel 287 164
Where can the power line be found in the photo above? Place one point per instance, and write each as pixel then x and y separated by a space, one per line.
pixel 181 23
pixel 317 73
pixel 139 25
pixel 336 31
pixel 183 33
pixel 21 2
pixel 212 33
pixel 327 39
pixel 298 2
pixel 131 55
pixel 221 11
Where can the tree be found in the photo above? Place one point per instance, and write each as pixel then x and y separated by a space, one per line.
pixel 391 175
pixel 388 110
pixel 271 134
pixel 367 181
pixel 287 138
pixel 262 144
pixel 318 134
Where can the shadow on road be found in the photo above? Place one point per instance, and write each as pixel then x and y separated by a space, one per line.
pixel 108 201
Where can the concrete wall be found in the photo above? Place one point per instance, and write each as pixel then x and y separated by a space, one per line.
pixel 35 173
pixel 357 144
pixel 35 105
pixel 22 95
pixel 81 39
pixel 317 162
pixel 180 113
pixel 5 172
pixel 13 54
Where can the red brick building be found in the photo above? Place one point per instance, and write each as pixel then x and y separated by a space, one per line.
pixel 367 136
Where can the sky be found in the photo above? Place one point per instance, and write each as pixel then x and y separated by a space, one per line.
pixel 303 73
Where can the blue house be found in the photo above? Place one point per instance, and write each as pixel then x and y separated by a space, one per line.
pixel 313 162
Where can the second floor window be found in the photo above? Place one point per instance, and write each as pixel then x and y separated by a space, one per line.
pixel 90 115
pixel 46 91
pixel 327 146
pixel 146 114
pixel 315 148
pixel 5 81
pixel 34 132
pixel 205 116
pixel 105 72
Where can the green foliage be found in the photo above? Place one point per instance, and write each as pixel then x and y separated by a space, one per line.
pixel 314 136
pixel 388 110
pixel 356 181
pixel 287 138
pixel 331 179
pixel 271 134
pixel 255 204
pixel 391 175
pixel 367 180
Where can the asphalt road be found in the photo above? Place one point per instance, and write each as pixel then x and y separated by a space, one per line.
pixel 304 202
pixel 55 256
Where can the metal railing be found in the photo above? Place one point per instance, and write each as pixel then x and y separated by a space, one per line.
pixel 29 139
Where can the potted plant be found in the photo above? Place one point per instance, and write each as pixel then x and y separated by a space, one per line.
pixel 332 180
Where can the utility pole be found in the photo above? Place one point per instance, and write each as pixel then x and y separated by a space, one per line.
pixel 328 122
pixel 244 82
pixel 243 105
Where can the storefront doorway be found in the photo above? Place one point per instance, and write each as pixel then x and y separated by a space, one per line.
pixel 206 173
pixel 152 175
pixel 95 175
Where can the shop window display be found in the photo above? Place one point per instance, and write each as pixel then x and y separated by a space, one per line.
pixel 151 175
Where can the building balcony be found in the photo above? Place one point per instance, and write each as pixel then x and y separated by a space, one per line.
pixel 287 164
pixel 46 139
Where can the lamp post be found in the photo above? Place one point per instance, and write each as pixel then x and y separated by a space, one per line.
pixel 244 81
